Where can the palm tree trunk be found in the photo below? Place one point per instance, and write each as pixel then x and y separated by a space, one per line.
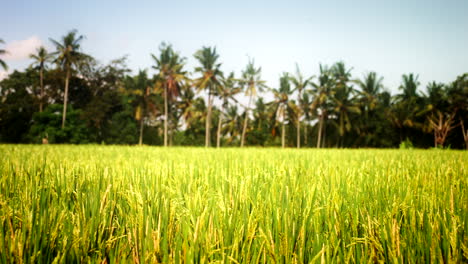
pixel 245 121
pixel 208 121
pixel 319 138
pixel 305 134
pixel 166 116
pixel 41 99
pixel 324 133
pixel 298 133
pixel 65 98
pixel 218 134
pixel 140 141
pixel 299 119
pixel 283 135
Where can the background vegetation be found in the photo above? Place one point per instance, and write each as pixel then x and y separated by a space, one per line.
pixel 66 96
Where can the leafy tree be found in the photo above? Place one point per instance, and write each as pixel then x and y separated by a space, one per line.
pixel 46 124
pixel 209 81
pixel 251 82
pixel 69 58
pixel 170 77
pixel 16 105
pixel 41 58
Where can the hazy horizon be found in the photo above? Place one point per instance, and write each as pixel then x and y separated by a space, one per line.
pixel 427 38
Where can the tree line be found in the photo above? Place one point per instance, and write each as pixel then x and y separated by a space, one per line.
pixel 67 96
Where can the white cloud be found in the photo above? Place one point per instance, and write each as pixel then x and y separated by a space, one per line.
pixel 21 49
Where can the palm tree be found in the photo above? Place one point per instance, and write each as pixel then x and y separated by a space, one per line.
pixel 369 93
pixel 2 52
pixel 370 87
pixel 210 81
pixel 140 87
pixel 300 84
pixel 305 103
pixel 191 108
pixel 344 105
pixel 233 123
pixel 226 94
pixel 40 59
pixel 170 77
pixel 322 92
pixel 282 105
pixel 409 87
pixel 250 82
pixel 342 102
pixel 69 57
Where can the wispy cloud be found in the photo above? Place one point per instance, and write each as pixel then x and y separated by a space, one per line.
pixel 21 49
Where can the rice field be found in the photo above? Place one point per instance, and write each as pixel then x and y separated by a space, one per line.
pixel 117 204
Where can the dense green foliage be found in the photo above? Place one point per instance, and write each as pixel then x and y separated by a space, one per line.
pixel 146 205
pixel 171 105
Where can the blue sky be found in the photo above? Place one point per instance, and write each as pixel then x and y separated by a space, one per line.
pixel 429 38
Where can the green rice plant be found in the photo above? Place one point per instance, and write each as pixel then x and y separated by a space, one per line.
pixel 113 204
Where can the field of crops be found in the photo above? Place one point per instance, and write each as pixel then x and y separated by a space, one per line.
pixel 146 204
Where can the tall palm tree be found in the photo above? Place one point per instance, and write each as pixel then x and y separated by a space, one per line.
pixel 170 77
pixel 209 81
pixel 69 57
pixel 344 105
pixel 369 93
pixel 342 102
pixel 140 87
pixel 306 103
pixel 233 123
pixel 409 87
pixel 322 92
pixel 250 82
pixel 2 52
pixel 283 107
pixel 407 107
pixel 41 58
pixel 300 84
pixel 370 87
pixel 226 94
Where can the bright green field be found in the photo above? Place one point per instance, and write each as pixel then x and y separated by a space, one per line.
pixel 146 204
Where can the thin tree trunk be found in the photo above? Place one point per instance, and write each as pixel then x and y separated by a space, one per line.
pixel 140 140
pixel 171 136
pixel 245 121
pixel 305 134
pixel 218 134
pixel 299 119
pixel 65 98
pixel 165 115
pixel 41 100
pixel 465 134
pixel 298 133
pixel 319 138
pixel 208 121
pixel 324 133
pixel 283 135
